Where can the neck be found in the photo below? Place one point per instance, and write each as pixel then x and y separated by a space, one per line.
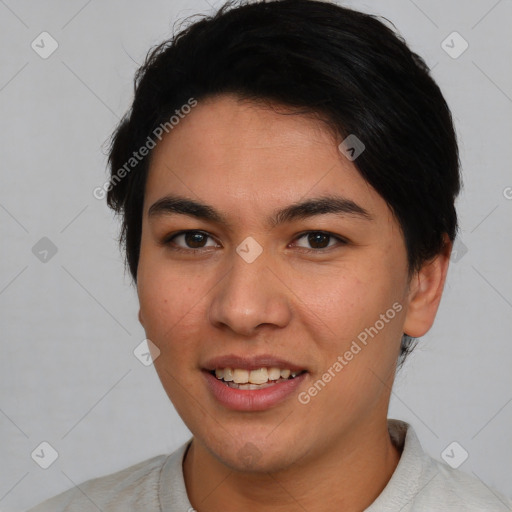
pixel 350 475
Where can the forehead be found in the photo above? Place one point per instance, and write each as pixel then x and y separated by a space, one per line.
pixel 248 156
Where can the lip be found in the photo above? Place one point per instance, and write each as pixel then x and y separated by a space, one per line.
pixel 250 363
pixel 252 399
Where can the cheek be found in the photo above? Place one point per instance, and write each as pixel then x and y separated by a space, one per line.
pixel 357 315
pixel 345 302
pixel 173 304
pixel 356 326
pixel 164 299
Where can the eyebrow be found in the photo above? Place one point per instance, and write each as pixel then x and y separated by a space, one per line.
pixel 337 205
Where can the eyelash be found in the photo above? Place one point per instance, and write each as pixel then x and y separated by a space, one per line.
pixel 168 241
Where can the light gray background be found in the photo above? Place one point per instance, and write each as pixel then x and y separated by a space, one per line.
pixel 69 326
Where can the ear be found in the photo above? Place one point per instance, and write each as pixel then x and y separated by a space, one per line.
pixel 140 318
pixel 425 290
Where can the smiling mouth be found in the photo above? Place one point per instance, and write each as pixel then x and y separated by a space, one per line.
pixel 261 378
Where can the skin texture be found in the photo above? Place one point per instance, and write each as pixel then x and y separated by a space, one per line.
pixel 247 160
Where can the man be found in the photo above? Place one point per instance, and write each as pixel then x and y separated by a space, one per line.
pixel 286 178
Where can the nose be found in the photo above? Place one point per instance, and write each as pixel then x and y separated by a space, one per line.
pixel 250 296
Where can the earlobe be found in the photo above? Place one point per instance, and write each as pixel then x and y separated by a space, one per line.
pixel 140 318
pixel 425 293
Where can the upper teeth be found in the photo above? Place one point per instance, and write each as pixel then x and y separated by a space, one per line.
pixel 259 376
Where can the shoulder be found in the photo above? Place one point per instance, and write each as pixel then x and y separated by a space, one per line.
pixel 421 483
pixel 135 486
pixel 446 488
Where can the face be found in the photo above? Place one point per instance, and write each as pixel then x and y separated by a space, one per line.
pixel 300 289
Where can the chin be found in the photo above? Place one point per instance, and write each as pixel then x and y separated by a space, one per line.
pixel 250 455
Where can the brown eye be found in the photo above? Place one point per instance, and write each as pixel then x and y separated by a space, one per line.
pixel 190 240
pixel 195 240
pixel 317 240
